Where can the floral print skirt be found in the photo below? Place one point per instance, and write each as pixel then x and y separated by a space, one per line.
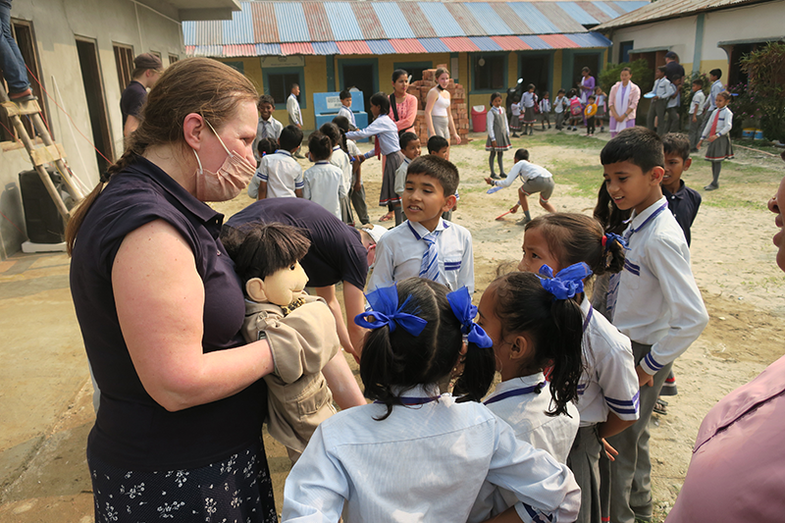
pixel 235 490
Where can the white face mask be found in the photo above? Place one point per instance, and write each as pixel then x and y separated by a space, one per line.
pixel 231 178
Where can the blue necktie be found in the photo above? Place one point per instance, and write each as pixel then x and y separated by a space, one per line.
pixel 429 268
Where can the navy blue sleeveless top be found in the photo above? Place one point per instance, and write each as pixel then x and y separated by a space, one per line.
pixel 132 431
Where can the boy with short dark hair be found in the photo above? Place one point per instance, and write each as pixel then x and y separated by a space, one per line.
pixel 346 108
pixel 536 179
pixel 410 147
pixel 560 105
pixel 324 181
pixel 711 100
pixel 683 201
pixel 440 147
pixel 654 301
pixel 268 126
pixel 662 90
pixel 589 112
pixel 425 245
pixel 279 175
pixel 696 113
pixel 545 110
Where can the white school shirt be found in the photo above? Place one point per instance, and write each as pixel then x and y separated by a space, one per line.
pixel 515 109
pixel 716 88
pixel 282 174
pixel 696 105
pixel 724 123
pixel 560 103
pixel 528 99
pixel 495 112
pixel 345 111
pixel 399 255
pixel 324 185
pixel 400 176
pixel 526 171
pixel 423 463
pixel 674 101
pixel 270 128
pixel 545 106
pixel 663 88
pixel 386 132
pixel 526 416
pixel 609 381
pixel 654 300
pixel 293 108
pixel 341 160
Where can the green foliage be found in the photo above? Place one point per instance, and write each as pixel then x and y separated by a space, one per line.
pixel 766 88
pixel 642 76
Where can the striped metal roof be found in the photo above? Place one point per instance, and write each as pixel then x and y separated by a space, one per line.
pixel 667 9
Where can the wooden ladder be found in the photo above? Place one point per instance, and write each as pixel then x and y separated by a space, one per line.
pixel 40 156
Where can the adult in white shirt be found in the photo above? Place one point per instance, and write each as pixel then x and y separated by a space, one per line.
pixel 438 116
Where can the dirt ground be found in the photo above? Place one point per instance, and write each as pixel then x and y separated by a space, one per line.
pixel 45 398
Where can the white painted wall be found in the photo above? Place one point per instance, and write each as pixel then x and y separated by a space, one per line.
pixel 678 35
pixel 56 24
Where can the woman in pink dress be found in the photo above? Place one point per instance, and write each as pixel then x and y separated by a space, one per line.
pixel 403 106
pixel 623 102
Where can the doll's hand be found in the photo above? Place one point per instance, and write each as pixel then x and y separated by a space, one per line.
pixel 609 450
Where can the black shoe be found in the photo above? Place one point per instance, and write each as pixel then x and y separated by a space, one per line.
pixel 495 176
pixel 502 175
pixel 711 187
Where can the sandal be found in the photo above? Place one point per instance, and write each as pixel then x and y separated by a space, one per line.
pixel 660 407
pixel 387 217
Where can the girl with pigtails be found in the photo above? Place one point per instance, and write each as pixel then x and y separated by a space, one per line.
pixel 608 388
pixel 415 454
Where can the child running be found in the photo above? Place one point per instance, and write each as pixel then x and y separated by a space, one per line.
pixel 528 113
pixel 608 387
pixel 536 179
pixel 415 454
pixel 534 323
pixel 498 134
pixel 718 126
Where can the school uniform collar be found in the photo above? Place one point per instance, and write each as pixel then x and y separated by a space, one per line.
pixel 197 207
pixel 523 382
pixel 420 231
pixel 637 221
pixel 418 392
pixel 679 194
pixel 322 162
pixel 336 147
pixel 588 312
pixel 406 160
pixel 281 151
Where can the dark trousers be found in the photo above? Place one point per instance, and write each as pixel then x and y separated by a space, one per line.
pixel 360 207
pixel 657 110
pixel 673 121
pixel 695 131
pixel 590 125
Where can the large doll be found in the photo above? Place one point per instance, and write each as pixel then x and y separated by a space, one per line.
pixel 299 328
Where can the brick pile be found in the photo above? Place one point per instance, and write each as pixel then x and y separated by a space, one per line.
pixel 458 106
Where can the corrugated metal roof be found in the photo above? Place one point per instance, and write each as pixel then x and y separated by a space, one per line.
pixel 606 8
pixel 265 28
pixel 381 47
pixel 440 19
pixel 510 43
pixel 210 32
pixel 512 20
pixel 208 50
pixel 318 24
pixel 370 25
pixel 326 48
pixel 417 20
pixel 392 20
pixel 594 11
pixel 460 44
pixel 297 48
pixel 290 17
pixel 535 42
pixel 268 49
pixel 230 51
pixel 343 21
pixel 558 41
pixel 631 6
pixel 486 43
pixel 534 18
pixel 666 9
pixel 411 46
pixel 357 47
pixel 238 30
pixel 490 21
pixel 578 13
pixel 465 19
pixel 189 35
pixel 559 18
pixel 434 45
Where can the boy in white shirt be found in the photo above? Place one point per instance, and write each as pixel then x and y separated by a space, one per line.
pixel 663 90
pixel 425 245
pixel 696 113
pixel 323 181
pixel 536 179
pixel 279 175
pixel 545 110
pixel 411 149
pixel 654 301
pixel 268 126
pixel 345 109
pixel 560 103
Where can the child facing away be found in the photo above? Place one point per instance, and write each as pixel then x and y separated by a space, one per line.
pixel 440 147
pixel 426 245
pixel 357 190
pixel 340 158
pixel 545 110
pixel 576 110
pixel 345 109
pixel 528 113
pixel 561 104
pixel 717 132
pixel 589 113
pixel 601 99
pixel 324 181
pixel 386 144
pixel 654 301
pixel 279 175
pixel 498 134
pixel 414 454
pixel 535 324
pixel 536 179
pixel 696 113
pixel 299 328
pixel 608 386
pixel 411 149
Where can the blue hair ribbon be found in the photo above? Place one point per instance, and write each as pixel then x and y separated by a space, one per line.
pixel 385 311
pixel 567 283
pixel 609 237
pixel 461 304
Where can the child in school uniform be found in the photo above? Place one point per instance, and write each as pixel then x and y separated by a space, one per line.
pixel 415 454
pixel 279 175
pixel 663 89
pixel 324 181
pixel 672 107
pixel 528 114
pixel 576 110
pixel 410 146
pixel 536 179
pixel 545 109
pixel 589 113
pixel 534 323
pixel 426 245
pixel 515 117
pixel 654 301
pixel 498 134
pixel 387 144
pixel 440 147
pixel 717 132
pixel 345 109
pixel 601 99
pixel 608 386
pixel 696 113
pixel 340 158
pixel 356 190
pixel 561 105
pixel 711 101
pixel 299 328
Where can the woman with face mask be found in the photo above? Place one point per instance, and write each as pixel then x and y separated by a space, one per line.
pixel 178 430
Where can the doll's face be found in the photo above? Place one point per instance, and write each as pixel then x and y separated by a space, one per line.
pixel 281 287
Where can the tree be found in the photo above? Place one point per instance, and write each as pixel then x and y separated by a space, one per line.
pixel 765 68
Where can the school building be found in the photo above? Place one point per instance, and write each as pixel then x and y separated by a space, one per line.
pixel 706 34
pixel 329 46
